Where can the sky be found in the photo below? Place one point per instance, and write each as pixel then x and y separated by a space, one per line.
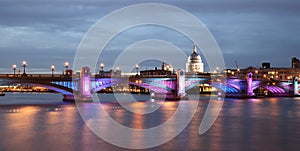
pixel 48 32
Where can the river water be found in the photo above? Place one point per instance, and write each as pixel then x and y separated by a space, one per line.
pixel 31 121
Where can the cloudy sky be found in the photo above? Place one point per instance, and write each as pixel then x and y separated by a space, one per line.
pixel 46 32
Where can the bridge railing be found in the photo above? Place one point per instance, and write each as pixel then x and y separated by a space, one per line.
pixel 133 76
pixel 33 75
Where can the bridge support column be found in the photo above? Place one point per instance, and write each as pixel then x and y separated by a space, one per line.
pixel 249 82
pixel 296 86
pixel 84 85
pixel 180 85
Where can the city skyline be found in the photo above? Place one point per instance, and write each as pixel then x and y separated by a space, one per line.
pixel 48 33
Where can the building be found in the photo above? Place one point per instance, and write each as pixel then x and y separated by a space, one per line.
pixel 278 74
pixel 295 63
pixel 266 65
pixel 110 73
pixel 194 63
pixel 166 70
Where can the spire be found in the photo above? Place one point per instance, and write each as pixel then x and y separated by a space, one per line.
pixel 194 48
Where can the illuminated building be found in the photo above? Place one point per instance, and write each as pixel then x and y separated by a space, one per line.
pixel 280 74
pixel 166 69
pixel 295 63
pixel 110 73
pixel 194 63
pixel 266 65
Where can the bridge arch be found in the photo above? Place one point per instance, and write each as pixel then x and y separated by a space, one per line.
pixel 158 86
pixel 266 88
pixel 225 88
pixel 56 88
pixel 51 86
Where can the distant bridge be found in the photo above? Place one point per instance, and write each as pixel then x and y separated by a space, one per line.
pixel 83 85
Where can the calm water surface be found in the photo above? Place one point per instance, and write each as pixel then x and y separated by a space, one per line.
pixel 43 122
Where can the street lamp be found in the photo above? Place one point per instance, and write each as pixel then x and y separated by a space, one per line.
pixel 66 66
pixel 14 68
pixel 52 70
pixel 102 66
pixel 137 69
pixel 24 64
pixel 101 72
pixel 256 73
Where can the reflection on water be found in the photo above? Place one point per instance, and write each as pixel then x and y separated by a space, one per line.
pixel 49 124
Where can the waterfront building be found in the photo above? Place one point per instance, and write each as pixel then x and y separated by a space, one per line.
pixel 166 69
pixel 110 73
pixel 295 63
pixel 266 65
pixel 278 73
pixel 194 63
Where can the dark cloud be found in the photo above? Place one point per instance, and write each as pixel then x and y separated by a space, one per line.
pixel 250 31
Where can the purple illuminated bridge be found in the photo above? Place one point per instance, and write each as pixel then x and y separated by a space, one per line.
pixel 83 85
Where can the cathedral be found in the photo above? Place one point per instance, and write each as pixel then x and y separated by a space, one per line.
pixel 194 63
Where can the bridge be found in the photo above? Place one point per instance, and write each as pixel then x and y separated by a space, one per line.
pixel 81 86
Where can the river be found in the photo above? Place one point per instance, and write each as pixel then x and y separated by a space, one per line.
pixel 34 121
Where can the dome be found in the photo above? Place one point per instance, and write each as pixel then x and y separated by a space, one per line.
pixel 194 57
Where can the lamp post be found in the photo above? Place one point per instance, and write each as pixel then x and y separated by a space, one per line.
pixel 14 68
pixel 256 73
pixel 66 66
pixel 137 69
pixel 102 66
pixel 101 72
pixel 52 70
pixel 24 64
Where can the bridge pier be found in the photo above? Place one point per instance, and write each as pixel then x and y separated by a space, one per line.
pixel 177 93
pixel 249 87
pixel 84 85
pixel 180 85
pixel 296 87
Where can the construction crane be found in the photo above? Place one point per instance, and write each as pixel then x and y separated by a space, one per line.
pixel 237 66
pixel 237 69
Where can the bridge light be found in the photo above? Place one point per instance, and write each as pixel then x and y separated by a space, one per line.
pixel 52 69
pixel 24 64
pixel 14 68
pixel 102 66
pixel 137 69
pixel 66 65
